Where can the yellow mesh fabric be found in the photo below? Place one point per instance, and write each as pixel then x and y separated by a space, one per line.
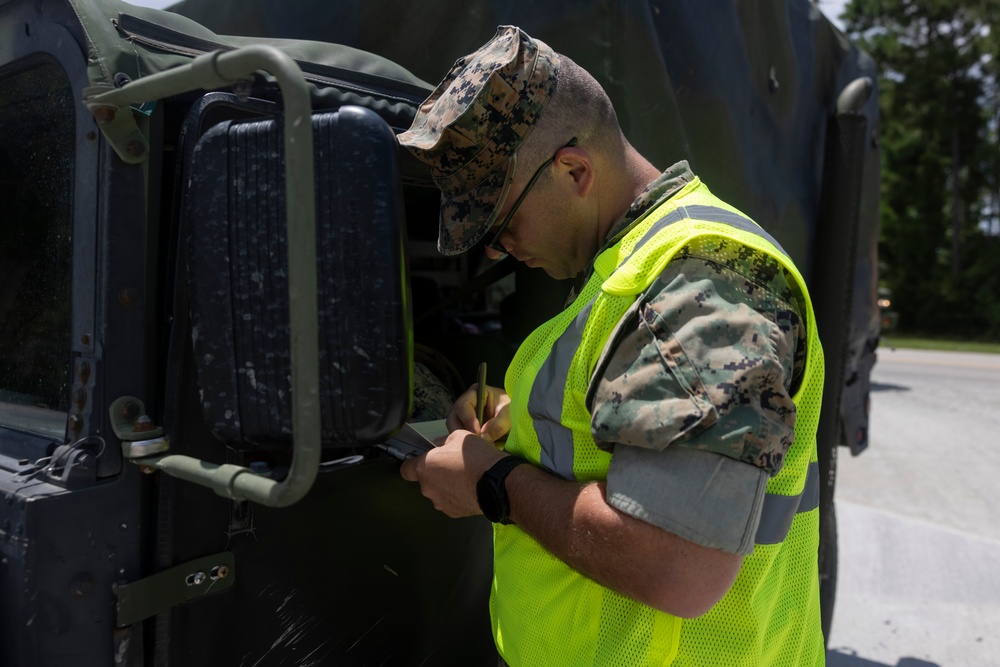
pixel 546 614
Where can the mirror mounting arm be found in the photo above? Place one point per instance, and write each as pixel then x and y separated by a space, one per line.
pixel 226 68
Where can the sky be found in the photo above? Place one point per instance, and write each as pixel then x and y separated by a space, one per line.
pixel 832 9
pixel 155 4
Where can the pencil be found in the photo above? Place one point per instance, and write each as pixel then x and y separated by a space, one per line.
pixel 481 394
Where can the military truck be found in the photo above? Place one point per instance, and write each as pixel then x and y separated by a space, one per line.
pixel 218 282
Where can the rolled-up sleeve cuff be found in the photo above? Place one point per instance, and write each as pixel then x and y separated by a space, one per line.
pixel 704 497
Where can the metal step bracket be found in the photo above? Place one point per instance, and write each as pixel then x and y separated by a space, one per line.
pixel 139 600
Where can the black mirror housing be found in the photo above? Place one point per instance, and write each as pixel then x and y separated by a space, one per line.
pixel 238 278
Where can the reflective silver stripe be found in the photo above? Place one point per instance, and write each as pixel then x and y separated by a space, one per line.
pixel 778 511
pixel 708 214
pixel 670 218
pixel 547 394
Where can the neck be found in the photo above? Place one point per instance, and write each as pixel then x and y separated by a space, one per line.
pixel 634 173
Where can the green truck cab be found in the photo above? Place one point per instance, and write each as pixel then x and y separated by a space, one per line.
pixel 218 284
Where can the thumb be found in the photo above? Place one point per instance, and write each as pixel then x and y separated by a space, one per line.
pixel 495 429
pixel 408 470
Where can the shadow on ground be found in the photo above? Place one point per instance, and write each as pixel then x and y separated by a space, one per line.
pixel 844 658
pixel 876 386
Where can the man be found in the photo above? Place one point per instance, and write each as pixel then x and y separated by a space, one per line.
pixel 647 468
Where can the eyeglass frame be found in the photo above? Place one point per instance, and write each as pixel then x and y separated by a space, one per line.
pixel 494 243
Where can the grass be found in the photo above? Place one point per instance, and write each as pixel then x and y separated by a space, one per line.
pixel 915 343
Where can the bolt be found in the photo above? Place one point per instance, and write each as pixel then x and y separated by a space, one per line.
pixel 83 371
pixel 75 423
pixel 135 149
pixel 130 410
pixel 128 296
pixel 104 114
pixel 220 572
pixel 80 397
pixel 242 89
pixel 196 579
pixel 92 136
pixel 85 339
pixel 143 423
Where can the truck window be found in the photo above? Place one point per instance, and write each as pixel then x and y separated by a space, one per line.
pixel 36 178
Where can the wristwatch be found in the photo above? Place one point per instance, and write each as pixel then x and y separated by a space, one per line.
pixel 492 493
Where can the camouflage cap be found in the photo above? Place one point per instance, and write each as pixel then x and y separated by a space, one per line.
pixel 471 126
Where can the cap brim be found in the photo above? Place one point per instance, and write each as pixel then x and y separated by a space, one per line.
pixel 465 219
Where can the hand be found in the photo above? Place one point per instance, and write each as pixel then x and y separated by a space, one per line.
pixel 496 413
pixel 448 473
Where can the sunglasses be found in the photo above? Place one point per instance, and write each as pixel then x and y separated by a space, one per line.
pixel 494 243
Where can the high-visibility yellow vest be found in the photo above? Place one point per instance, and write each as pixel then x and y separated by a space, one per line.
pixel 544 613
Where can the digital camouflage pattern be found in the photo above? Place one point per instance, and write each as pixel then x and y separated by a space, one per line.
pixel 431 398
pixel 469 129
pixel 712 355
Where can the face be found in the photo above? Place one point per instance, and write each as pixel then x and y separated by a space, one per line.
pixel 551 228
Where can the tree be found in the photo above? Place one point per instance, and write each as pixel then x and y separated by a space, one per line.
pixel 939 111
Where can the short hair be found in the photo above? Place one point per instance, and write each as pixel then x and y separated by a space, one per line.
pixel 579 107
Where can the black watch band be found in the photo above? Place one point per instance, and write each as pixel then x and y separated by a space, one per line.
pixel 491 491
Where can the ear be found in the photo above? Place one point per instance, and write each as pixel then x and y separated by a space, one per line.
pixel 578 165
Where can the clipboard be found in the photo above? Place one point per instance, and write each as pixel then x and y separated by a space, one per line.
pixel 414 439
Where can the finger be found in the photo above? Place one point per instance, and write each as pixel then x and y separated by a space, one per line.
pixel 461 420
pixel 498 427
pixel 495 429
pixel 408 470
pixel 463 412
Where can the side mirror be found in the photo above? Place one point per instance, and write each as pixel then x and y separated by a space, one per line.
pixel 239 281
pixel 238 231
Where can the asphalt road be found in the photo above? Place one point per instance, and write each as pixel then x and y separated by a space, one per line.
pixel 918 517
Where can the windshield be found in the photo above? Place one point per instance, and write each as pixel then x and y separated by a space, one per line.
pixel 36 178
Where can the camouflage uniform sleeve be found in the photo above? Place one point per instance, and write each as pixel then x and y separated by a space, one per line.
pixel 431 399
pixel 693 397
